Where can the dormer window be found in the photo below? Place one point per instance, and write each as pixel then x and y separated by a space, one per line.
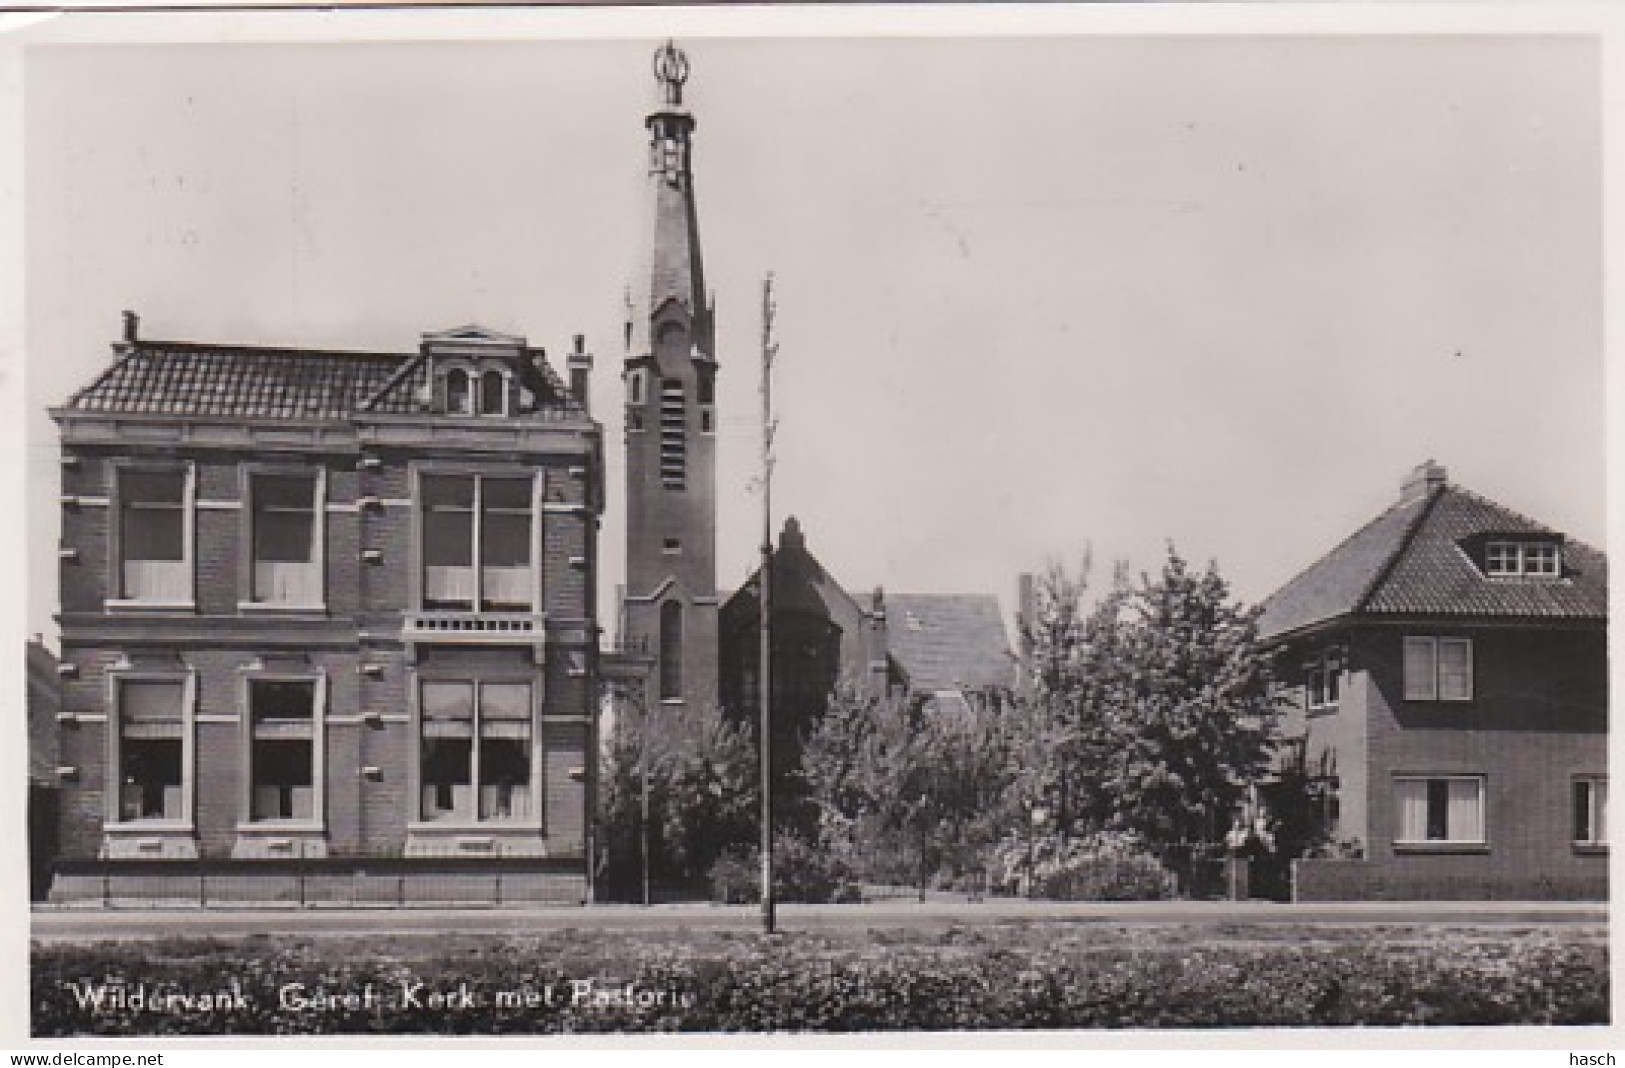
pixel 459 394
pixel 1539 559
pixel 493 394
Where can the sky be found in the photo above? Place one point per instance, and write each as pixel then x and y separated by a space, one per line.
pixel 1035 294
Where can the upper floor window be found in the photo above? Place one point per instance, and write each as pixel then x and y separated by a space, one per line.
pixel 476 542
pixel 284 750
pixel 1591 810
pixel 155 536
pixel 151 762
pixel 459 392
pixel 1446 808
pixel 285 538
pixel 634 388
pixel 493 393
pixel 475 760
pixel 1323 679
pixel 1438 669
pixel 1538 558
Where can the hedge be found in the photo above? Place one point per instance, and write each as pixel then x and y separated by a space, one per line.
pixel 1037 976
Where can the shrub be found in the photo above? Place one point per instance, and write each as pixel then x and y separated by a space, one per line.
pixel 1099 867
pixel 1042 976
pixel 801 872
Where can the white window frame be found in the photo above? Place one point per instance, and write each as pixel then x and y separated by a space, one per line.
pixel 536 478
pixel 1505 558
pixel 1430 686
pixel 1594 809
pixel 1325 667
pixel 113 781
pixel 318 746
pixel 115 537
pixel 249 602
pixel 1450 839
pixel 1546 551
pixel 416 824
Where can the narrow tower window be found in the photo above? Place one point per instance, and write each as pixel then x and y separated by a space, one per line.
pixel 673 435
pixel 671 651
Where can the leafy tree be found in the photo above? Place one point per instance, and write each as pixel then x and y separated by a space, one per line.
pixel 900 789
pixel 1194 711
pixel 1151 712
pixel 702 797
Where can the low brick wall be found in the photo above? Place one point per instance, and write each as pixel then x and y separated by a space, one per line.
pixel 1403 880
pixel 249 883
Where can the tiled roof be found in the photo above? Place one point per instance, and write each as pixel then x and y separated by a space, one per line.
pixel 1434 576
pixel 1413 559
pixel 949 641
pixel 187 378
pixel 190 379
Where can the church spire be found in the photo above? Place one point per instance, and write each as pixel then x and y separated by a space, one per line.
pixel 677 273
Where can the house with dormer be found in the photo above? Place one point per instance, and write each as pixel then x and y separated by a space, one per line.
pixel 1446 675
pixel 328 613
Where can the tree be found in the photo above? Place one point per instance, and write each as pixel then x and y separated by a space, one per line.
pixel 702 797
pixel 1066 723
pixel 905 789
pixel 1191 706
pixel 1150 712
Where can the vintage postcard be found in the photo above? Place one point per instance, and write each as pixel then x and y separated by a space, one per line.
pixel 1100 512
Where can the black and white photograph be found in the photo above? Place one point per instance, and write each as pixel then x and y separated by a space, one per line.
pixel 616 522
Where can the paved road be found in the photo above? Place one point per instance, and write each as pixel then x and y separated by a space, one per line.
pixel 81 924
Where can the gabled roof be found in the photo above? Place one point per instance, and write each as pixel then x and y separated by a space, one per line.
pixel 949 641
pixel 1417 559
pixel 183 378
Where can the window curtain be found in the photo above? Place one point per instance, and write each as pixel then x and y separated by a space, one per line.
pixel 1465 818
pixel 1412 798
pixel 1455 669
pixel 1420 670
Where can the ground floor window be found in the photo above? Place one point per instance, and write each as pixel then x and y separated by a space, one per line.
pixel 476 751
pixel 1591 810
pixel 1447 809
pixel 283 750
pixel 150 750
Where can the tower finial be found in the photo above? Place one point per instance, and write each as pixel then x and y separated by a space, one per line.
pixel 671 70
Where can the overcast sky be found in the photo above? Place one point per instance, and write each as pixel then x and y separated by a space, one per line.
pixel 1034 292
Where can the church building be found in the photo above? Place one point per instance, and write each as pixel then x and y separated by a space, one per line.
pixel 669 602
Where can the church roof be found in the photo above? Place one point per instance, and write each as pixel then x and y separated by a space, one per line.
pixel 1422 557
pixel 949 641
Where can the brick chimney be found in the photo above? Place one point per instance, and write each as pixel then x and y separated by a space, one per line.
pixel 1421 482
pixel 132 327
pixel 580 364
pixel 1026 615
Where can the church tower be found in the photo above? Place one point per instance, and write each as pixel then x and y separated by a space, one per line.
pixel 669 605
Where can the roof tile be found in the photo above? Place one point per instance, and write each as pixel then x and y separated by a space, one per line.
pixel 949 641
pixel 1412 560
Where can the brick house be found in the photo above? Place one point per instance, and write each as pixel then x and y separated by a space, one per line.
pixel 1446 667
pixel 44 707
pixel 332 612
